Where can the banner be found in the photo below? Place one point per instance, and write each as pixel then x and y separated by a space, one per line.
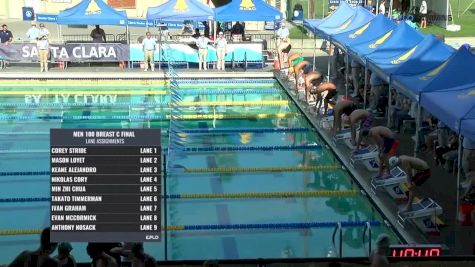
pixel 333 4
pixel 67 52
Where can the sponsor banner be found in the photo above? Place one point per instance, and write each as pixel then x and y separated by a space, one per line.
pixel 333 4
pixel 67 52
pixel 46 18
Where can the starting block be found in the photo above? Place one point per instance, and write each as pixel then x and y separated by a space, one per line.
pixel 424 215
pixel 391 183
pixel 342 135
pixel 367 156
pixel 327 122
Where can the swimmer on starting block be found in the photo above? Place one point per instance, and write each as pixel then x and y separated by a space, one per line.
pixel 300 74
pixel 365 118
pixel 324 93
pixel 386 142
pixel 310 79
pixel 344 107
pixel 40 256
pixel 417 172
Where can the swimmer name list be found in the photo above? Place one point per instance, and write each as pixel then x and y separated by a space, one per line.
pixel 105 185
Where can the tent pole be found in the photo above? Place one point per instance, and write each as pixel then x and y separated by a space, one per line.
pixel 346 73
pixel 418 128
pixel 314 50
pixel 391 8
pixel 459 163
pixel 59 32
pixel 329 56
pixel 365 85
pixel 390 96
pixel 377 8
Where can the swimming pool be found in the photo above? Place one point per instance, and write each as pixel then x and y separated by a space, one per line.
pixel 274 186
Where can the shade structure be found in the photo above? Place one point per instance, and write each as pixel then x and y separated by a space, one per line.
pixel 247 10
pixel 455 108
pixel 366 39
pixel 375 27
pixel 455 72
pixel 425 56
pixel 177 10
pixel 341 14
pixel 361 16
pixel 92 12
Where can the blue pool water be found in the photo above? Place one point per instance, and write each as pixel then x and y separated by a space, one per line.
pixel 24 144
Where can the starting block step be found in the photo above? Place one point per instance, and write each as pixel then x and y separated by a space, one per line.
pixel 421 211
pixel 326 122
pixel 392 184
pixel 368 158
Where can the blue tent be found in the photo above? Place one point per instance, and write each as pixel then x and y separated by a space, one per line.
pixel 181 10
pixel 397 42
pixel 92 12
pixel 455 108
pixel 342 14
pixel 457 71
pixel 247 10
pixel 376 34
pixel 361 16
pixel 378 26
pixel 429 54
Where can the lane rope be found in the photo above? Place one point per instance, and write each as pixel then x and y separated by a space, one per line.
pixel 198 227
pixel 82 92
pixel 232 103
pixel 243 130
pixel 152 117
pixel 246 195
pixel 262 169
pixel 181 147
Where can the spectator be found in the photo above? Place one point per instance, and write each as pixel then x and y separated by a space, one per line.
pixel 149 45
pixel 206 30
pixel 423 12
pixel 417 173
pixel 355 76
pixel 283 33
pixel 39 257
pixel 33 32
pixel 375 92
pixel 446 153
pixel 64 257
pixel 221 46
pixel 6 36
pixel 197 34
pixel 379 256
pixel 137 255
pixel 187 27
pixel 99 257
pixel 384 138
pixel 237 31
pixel 98 35
pixel 202 44
pixel 400 111
pixel 382 8
pixel 468 158
pixel 43 47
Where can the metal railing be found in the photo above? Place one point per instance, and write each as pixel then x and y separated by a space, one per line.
pixel 86 38
pixel 338 230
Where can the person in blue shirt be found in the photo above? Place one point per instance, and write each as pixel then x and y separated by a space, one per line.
pixel 6 36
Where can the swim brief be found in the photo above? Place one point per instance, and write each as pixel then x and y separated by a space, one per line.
pixel 368 122
pixel 387 145
pixel 421 177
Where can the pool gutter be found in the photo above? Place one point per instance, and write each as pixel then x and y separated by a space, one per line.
pixel 389 215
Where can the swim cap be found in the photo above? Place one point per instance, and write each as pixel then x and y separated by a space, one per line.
pixel 393 161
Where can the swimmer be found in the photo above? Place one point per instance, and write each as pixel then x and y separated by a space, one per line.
pixel 99 256
pixel 64 255
pixel 366 120
pixel 324 92
pixel 417 172
pixel 39 257
pixel 293 58
pixel 136 254
pixel 314 77
pixel 379 256
pixel 300 74
pixel 344 107
pixel 384 139
pixel 283 49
